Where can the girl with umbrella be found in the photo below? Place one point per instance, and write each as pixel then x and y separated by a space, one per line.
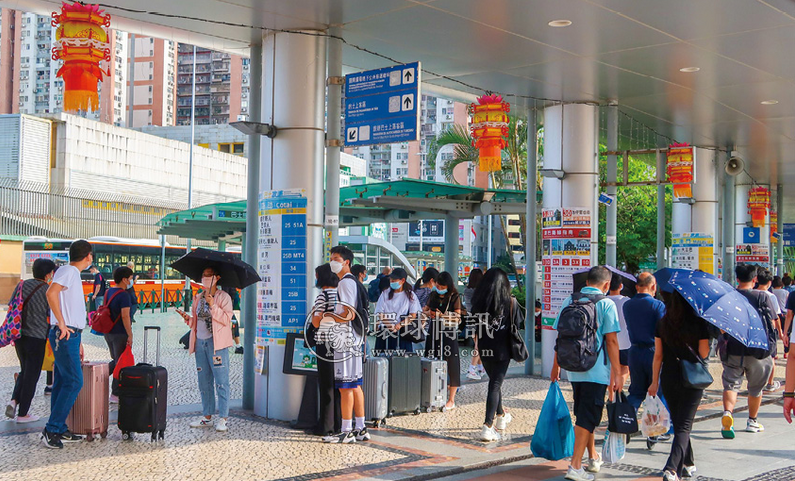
pixel 210 325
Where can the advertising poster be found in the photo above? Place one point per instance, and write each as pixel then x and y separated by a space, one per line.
pixel 693 250
pixel 566 244
pixel 753 254
pixel 282 294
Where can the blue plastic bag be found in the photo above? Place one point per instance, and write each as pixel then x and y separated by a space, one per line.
pixel 554 435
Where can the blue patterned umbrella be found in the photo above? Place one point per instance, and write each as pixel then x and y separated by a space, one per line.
pixel 721 305
pixel 664 275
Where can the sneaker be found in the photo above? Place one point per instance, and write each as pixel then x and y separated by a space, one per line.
pixel 502 421
pixel 688 471
pixel 239 350
pixel 774 386
pixel 481 370
pixel 727 423
pixel 113 399
pixel 341 438
pixel 11 410
pixel 362 434
pixel 30 418
pixel 669 476
pixel 578 475
pixel 220 426
pixel 595 465
pixel 47 390
pixel 50 440
pixel 754 426
pixel 473 374
pixel 489 434
pixel 69 437
pixel 664 438
pixel 202 422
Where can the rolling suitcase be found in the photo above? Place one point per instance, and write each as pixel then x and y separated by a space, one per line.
pixel 89 415
pixel 433 385
pixel 376 390
pixel 404 385
pixel 143 396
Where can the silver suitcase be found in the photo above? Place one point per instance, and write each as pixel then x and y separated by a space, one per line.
pixel 376 390
pixel 434 385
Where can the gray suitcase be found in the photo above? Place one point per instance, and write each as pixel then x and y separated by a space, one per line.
pixel 376 390
pixel 404 385
pixel 434 385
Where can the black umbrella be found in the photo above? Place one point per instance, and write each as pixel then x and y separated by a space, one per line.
pixel 233 271
pixel 628 280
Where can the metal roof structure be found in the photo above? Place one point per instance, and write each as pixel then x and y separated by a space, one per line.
pixel 399 201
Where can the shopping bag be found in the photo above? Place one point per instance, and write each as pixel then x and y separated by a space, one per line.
pixel 621 416
pixel 655 421
pixel 125 360
pixel 554 435
pixel 49 358
pixel 614 447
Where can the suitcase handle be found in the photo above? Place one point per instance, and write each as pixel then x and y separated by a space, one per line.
pixel 146 339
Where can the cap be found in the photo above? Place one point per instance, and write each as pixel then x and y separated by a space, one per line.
pixel 398 273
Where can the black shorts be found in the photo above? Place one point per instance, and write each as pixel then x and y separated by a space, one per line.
pixel 623 357
pixel 589 402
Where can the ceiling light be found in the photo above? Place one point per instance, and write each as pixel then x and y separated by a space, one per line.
pixel 769 102
pixel 689 69
pixel 559 23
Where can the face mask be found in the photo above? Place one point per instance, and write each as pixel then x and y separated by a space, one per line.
pixel 394 285
pixel 440 291
pixel 207 282
pixel 364 280
pixel 336 266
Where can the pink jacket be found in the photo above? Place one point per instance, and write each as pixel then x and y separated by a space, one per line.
pixel 222 322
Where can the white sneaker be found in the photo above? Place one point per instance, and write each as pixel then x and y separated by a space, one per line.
pixel 473 374
pixel 578 475
pixel 11 409
pixel 669 476
pixel 489 434
pixel 502 421
pixel 220 426
pixel 754 426
pixel 595 465
pixel 774 386
pixel 688 471
pixel 202 422
pixel 481 370
pixel 30 418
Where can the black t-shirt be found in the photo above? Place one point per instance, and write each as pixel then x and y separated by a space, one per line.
pixel 118 303
pixel 448 303
pixel 99 280
pixel 673 350
pixel 494 341
pixel 761 302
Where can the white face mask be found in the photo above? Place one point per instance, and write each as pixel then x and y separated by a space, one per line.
pixel 336 266
pixel 207 282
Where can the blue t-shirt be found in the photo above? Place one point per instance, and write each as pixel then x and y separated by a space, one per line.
pixel 99 280
pixel 607 322
pixel 642 313
pixel 119 302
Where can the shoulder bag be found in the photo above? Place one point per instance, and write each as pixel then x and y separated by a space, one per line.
pixel 695 375
pixel 518 348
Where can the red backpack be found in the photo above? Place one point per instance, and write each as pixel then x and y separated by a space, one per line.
pixel 101 320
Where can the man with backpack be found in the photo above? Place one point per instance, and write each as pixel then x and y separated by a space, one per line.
pixel 100 286
pixel 374 291
pixel 740 362
pixel 588 319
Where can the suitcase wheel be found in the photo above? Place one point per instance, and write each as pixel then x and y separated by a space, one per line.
pixel 103 435
pixel 418 411
pixel 428 409
pixel 90 437
pixel 162 434
pixel 126 436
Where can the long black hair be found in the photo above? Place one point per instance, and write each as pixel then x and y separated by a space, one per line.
pixel 680 323
pixel 493 294
pixel 474 278
pixel 427 276
pixel 406 288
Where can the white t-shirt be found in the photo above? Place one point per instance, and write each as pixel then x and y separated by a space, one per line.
pixel 781 295
pixel 400 304
pixel 623 334
pixel 774 303
pixel 348 291
pixel 73 305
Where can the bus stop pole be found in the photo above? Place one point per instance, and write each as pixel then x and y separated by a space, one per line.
pixel 162 273
pixel 530 244
pixel 660 210
pixel 333 135
pixel 611 218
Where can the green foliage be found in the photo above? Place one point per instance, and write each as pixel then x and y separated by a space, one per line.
pixel 519 293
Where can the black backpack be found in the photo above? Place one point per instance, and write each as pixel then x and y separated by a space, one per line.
pixel 761 302
pixel 577 333
pixel 362 306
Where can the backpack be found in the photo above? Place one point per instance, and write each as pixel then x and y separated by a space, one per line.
pixel 373 291
pixel 577 333
pixel 362 306
pixel 761 302
pixel 11 330
pixel 101 320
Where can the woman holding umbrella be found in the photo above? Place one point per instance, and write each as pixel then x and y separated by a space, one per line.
pixel 210 325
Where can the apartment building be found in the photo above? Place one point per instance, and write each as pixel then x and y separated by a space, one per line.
pixel 154 93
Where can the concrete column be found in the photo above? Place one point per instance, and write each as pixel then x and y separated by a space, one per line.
pixel 612 176
pixel 293 100
pixel 780 243
pixel 660 210
pixel 570 145
pixel 531 241
pixel 728 240
pixel 743 218
pixel 451 246
pixel 704 211
pixel 680 217
pixel 334 108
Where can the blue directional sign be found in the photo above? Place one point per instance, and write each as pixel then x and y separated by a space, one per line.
pixel 381 105
pixel 751 235
pixel 789 235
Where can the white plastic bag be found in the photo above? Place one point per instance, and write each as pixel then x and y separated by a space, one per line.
pixel 614 447
pixel 655 421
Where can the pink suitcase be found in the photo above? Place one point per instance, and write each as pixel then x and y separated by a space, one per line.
pixel 89 415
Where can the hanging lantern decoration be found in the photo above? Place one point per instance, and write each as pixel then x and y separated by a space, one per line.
pixel 82 42
pixel 773 226
pixel 489 129
pixel 680 169
pixel 758 204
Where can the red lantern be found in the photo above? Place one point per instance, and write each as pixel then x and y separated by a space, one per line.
pixel 82 43
pixel 680 169
pixel 489 128
pixel 773 225
pixel 758 204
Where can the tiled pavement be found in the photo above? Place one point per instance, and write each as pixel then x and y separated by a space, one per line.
pixel 411 447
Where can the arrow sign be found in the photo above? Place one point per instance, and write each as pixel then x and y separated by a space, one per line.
pixel 407 76
pixel 353 134
pixel 407 103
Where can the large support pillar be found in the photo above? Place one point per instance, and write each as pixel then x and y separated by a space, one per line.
pixel 570 146
pixel 530 243
pixel 248 312
pixel 451 246
pixel 728 240
pixel 611 217
pixel 333 139
pixel 293 101
pixel 780 226
pixel 660 210
pixel 743 221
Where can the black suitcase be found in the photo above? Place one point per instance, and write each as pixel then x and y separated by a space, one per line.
pixel 405 375
pixel 143 401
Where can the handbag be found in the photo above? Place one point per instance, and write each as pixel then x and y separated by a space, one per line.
pixel 621 416
pixel 518 349
pixel 695 375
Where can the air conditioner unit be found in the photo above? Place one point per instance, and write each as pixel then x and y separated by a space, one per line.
pixel 242 118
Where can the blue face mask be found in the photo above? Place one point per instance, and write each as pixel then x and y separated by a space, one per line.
pixel 394 285
pixel 440 291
